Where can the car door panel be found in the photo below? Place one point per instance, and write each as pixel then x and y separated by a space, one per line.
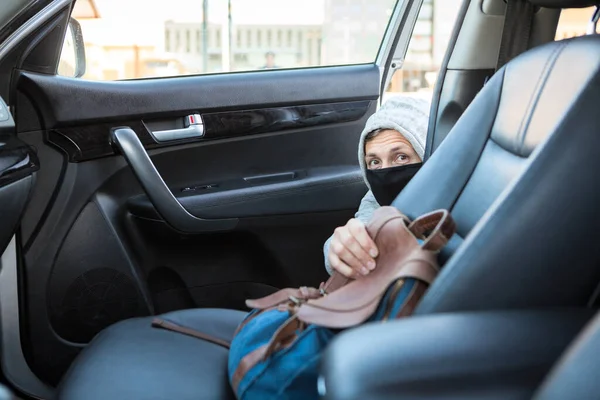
pixel 278 156
pixel 155 98
pixel 301 191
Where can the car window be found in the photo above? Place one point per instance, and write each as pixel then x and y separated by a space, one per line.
pixel 128 39
pixel 426 50
pixel 573 22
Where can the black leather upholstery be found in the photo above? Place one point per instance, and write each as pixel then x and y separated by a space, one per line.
pixel 526 247
pixel 576 375
pixel 131 360
pixel 477 355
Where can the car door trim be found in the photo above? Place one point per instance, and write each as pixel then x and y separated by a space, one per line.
pixel 32 25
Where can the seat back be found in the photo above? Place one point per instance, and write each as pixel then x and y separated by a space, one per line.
pixel 519 174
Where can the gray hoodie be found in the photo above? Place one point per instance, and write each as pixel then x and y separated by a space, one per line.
pixel 405 114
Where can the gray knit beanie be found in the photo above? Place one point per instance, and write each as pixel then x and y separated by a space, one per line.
pixel 405 114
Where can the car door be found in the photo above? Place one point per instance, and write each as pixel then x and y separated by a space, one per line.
pixel 186 186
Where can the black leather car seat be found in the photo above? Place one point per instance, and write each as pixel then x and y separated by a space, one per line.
pixel 510 171
pixel 131 360
pixel 530 240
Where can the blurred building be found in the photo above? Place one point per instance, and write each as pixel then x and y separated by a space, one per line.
pixel 293 45
pixel 129 61
pixel 110 55
pixel 356 36
pixel 350 34
pixel 427 47
pixel 353 30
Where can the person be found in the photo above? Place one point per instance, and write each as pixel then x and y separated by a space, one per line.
pixel 390 152
pixel 270 61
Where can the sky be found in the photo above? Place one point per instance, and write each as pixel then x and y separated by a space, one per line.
pixel 142 21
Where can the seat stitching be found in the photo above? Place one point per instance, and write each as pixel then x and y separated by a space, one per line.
pixel 460 193
pixel 533 101
pixel 434 297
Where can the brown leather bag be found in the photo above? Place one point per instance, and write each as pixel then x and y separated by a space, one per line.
pixel 344 303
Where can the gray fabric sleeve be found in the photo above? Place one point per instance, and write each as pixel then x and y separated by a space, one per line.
pixel 367 207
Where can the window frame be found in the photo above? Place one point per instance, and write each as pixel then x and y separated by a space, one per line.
pixel 394 42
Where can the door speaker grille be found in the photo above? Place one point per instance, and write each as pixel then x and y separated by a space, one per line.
pixel 95 300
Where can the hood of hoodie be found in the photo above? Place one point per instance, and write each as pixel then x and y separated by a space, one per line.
pixel 405 114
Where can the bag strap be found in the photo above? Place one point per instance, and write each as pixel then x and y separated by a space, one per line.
pixel 435 228
pixel 516 32
pixel 419 269
pixel 335 282
pixel 285 334
pixel 284 295
pixel 171 326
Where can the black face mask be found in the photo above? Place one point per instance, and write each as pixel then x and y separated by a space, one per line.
pixel 387 183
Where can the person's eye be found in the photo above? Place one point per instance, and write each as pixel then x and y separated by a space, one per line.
pixel 374 164
pixel 402 158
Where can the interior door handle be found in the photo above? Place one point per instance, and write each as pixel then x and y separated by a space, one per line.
pixel 169 208
pixel 194 128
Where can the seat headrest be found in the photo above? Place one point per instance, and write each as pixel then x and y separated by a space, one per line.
pixel 565 3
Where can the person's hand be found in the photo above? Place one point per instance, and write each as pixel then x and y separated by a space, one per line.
pixel 352 252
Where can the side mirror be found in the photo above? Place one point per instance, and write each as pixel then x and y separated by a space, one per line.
pixel 72 60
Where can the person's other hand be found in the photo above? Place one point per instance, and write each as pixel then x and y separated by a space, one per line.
pixel 352 252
